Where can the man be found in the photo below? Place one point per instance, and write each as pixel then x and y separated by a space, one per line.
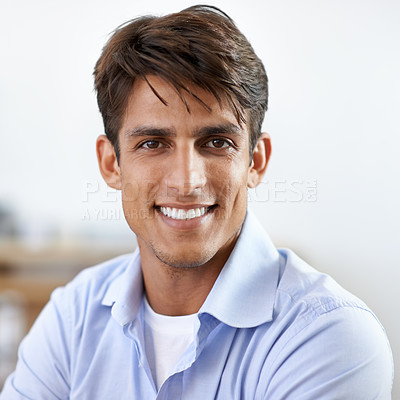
pixel 206 308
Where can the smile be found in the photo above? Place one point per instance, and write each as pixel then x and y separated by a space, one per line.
pixel 180 213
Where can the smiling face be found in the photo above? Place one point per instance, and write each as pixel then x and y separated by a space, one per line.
pixel 183 176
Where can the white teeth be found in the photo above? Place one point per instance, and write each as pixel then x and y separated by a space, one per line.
pixel 180 213
pixel 190 214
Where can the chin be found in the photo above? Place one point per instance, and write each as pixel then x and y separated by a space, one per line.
pixel 184 260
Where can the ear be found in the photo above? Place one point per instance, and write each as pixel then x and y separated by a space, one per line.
pixel 258 166
pixel 108 162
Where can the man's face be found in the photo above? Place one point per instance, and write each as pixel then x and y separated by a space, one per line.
pixel 183 175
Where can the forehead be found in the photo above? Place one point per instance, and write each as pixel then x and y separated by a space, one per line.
pixel 155 100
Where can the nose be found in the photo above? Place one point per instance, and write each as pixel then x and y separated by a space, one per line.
pixel 185 176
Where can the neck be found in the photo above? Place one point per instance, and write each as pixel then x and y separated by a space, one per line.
pixel 175 290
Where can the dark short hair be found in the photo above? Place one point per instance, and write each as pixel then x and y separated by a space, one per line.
pixel 200 45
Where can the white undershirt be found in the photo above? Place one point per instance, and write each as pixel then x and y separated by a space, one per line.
pixel 166 338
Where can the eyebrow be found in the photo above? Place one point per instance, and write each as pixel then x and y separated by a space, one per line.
pixel 150 131
pixel 228 128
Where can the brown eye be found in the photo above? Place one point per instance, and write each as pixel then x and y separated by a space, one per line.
pixel 217 144
pixel 151 144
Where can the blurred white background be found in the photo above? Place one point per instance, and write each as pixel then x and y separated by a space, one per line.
pixel 332 189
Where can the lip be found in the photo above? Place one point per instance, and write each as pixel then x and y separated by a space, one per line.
pixel 183 206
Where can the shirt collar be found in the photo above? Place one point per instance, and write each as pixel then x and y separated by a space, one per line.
pixel 243 295
pixel 125 293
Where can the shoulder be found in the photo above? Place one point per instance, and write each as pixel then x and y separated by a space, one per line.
pixel 85 293
pixel 308 290
pixel 306 298
pixel 327 340
pixel 66 333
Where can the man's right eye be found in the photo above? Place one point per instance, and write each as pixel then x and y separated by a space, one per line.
pixel 151 144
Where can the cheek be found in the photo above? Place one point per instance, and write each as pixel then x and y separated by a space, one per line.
pixel 139 186
pixel 230 184
pixel 130 192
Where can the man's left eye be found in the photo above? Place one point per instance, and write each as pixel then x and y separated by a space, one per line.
pixel 218 143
